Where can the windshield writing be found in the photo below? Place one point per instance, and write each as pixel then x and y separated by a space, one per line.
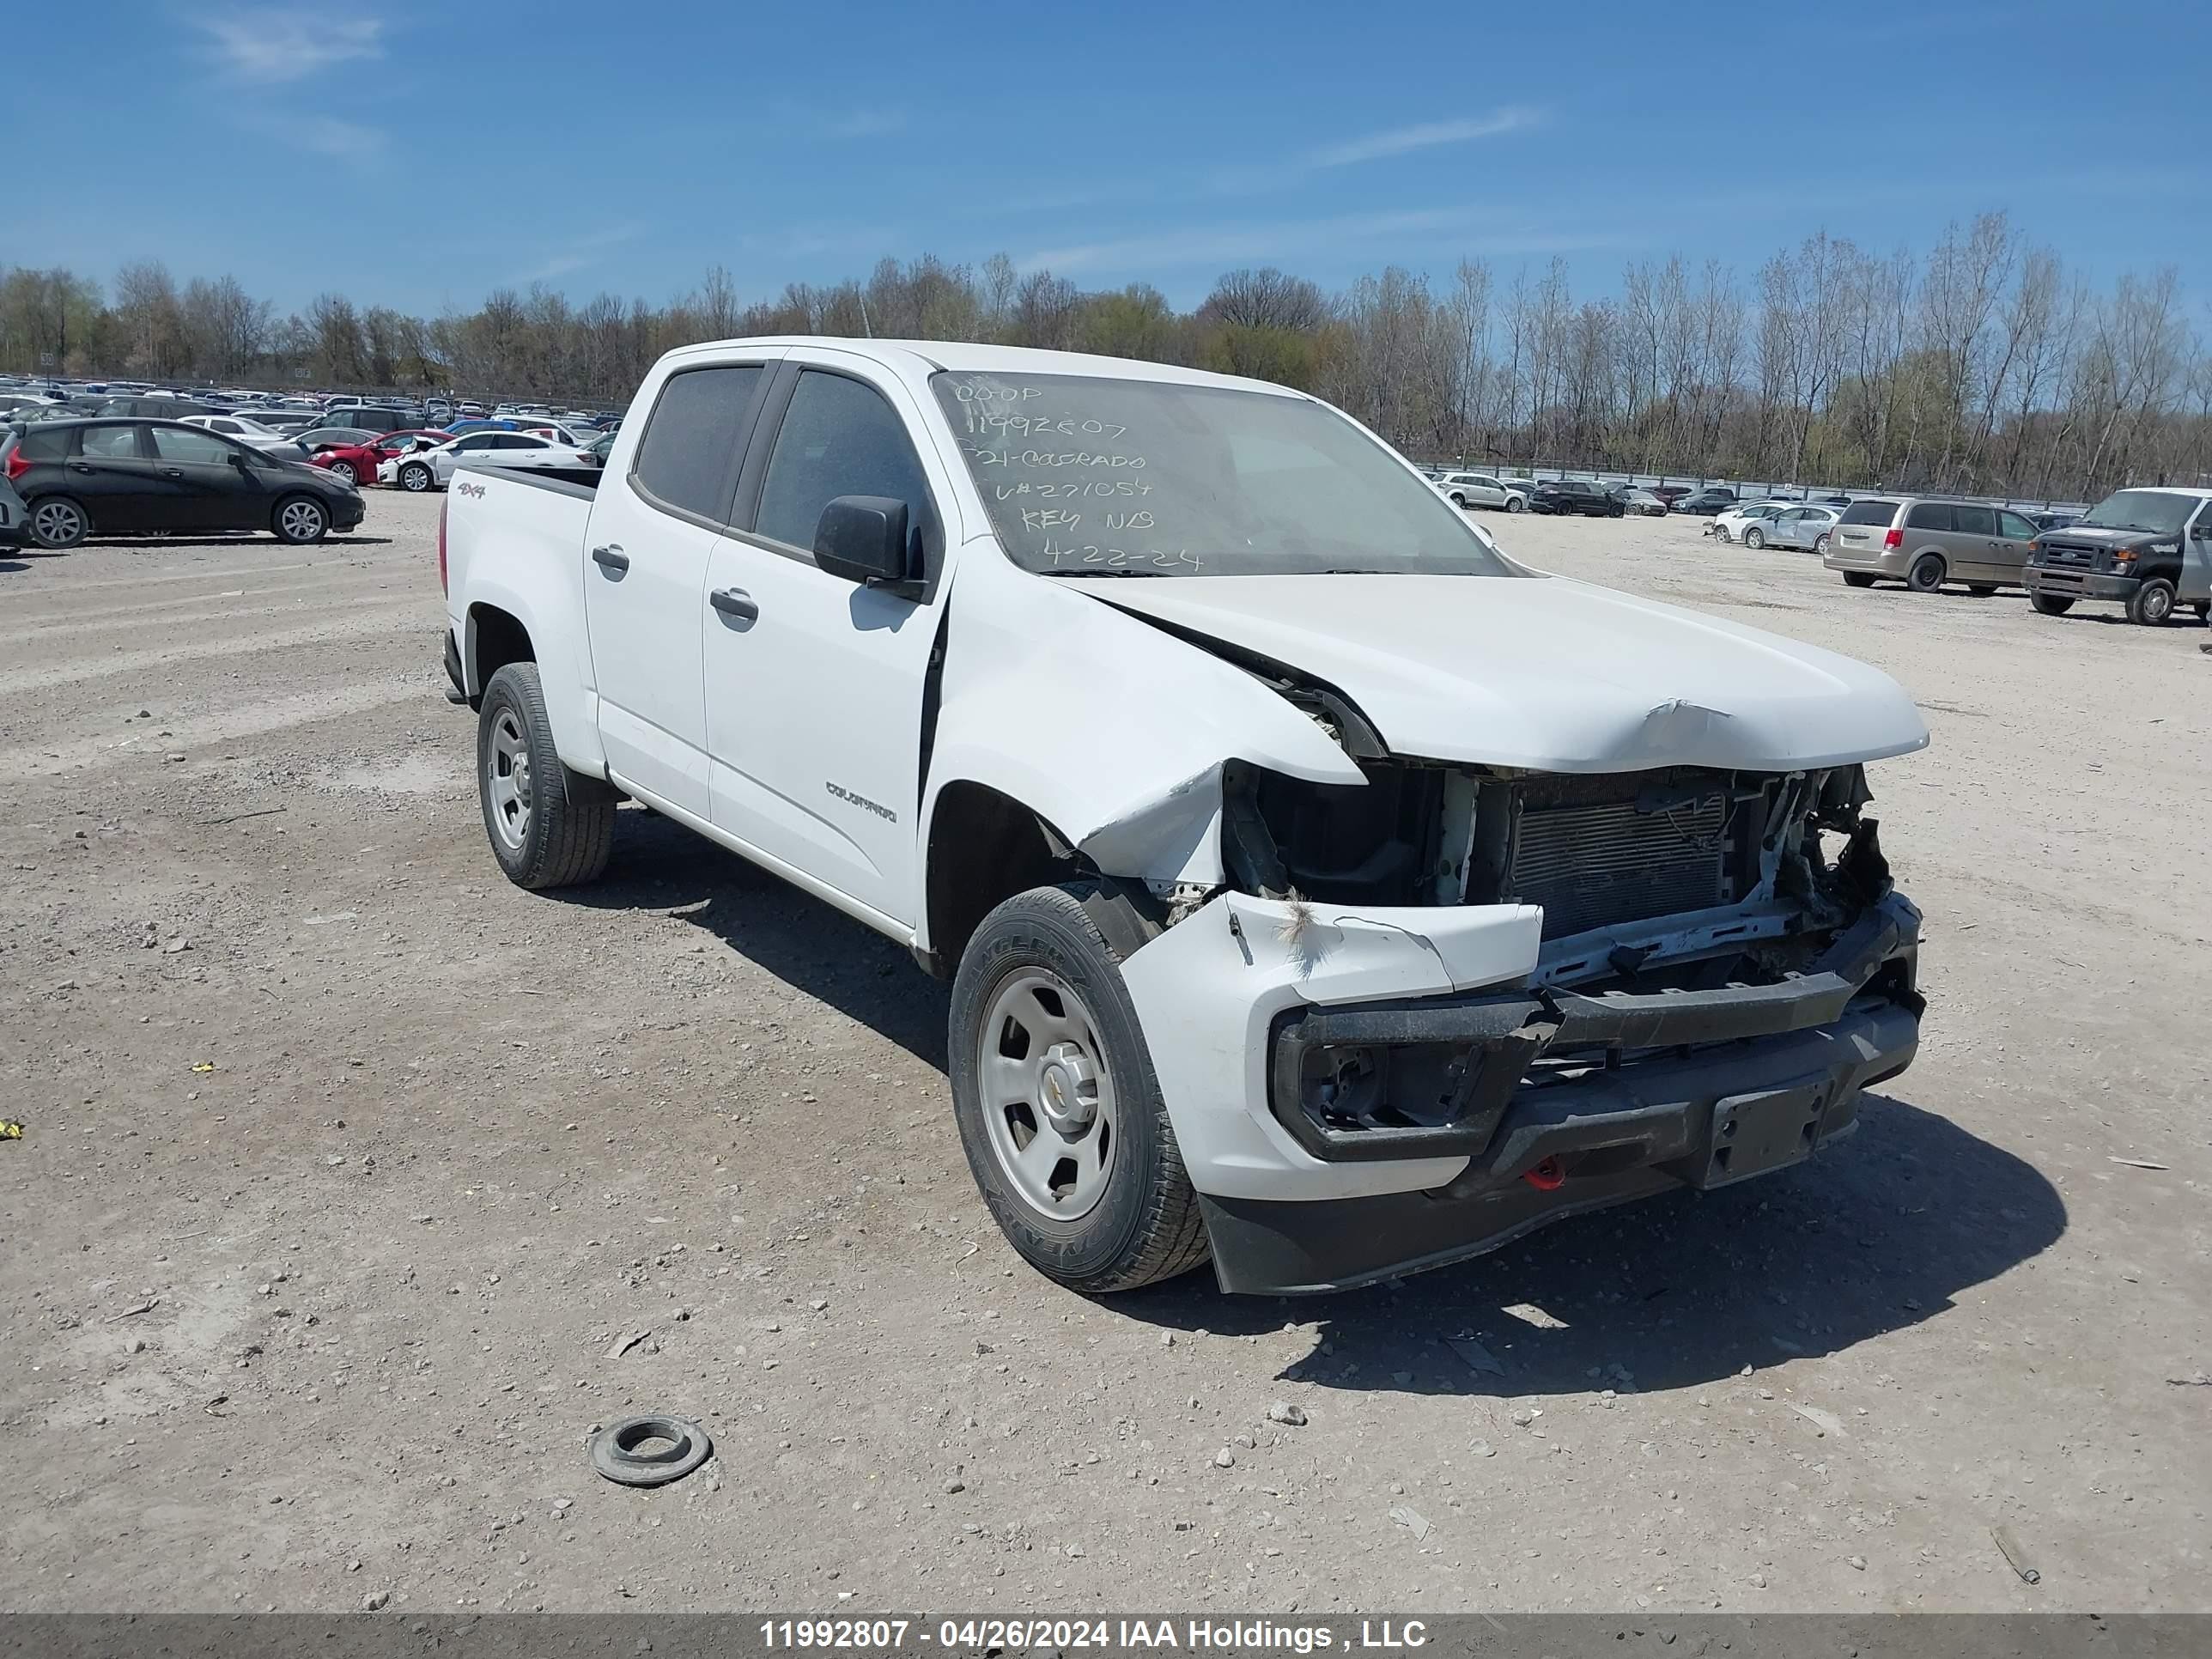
pixel 1090 475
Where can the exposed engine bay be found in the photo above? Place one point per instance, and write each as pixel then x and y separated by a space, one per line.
pixel 1629 869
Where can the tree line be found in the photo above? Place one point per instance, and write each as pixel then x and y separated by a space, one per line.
pixel 1982 364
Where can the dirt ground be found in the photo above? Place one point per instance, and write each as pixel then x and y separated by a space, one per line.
pixel 348 1168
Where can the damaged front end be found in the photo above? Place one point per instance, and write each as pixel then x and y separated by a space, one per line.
pixel 1473 999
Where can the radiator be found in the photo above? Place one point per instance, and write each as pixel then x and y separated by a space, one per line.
pixel 1590 867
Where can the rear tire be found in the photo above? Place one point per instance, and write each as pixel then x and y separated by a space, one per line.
pixel 1927 574
pixel 548 826
pixel 2204 608
pixel 1821 544
pixel 1460 502
pixel 1754 538
pixel 1858 579
pixel 58 522
pixel 2051 604
pixel 1616 511
pixel 2151 604
pixel 1138 1221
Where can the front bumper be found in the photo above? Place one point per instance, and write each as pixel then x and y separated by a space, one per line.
pixel 1552 1103
pixel 1713 1118
pixel 2061 581
pixel 347 511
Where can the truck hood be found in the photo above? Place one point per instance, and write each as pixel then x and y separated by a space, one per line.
pixel 1546 673
pixel 2074 535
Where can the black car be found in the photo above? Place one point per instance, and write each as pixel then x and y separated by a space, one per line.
pixel 154 409
pixel 1568 495
pixel 128 478
pixel 1706 502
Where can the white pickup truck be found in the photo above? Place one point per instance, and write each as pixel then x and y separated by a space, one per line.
pixel 1321 890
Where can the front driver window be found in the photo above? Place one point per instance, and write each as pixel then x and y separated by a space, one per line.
pixel 839 438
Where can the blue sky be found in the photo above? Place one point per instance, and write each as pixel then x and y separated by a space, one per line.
pixel 418 154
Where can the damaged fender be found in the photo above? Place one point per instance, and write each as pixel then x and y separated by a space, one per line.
pixel 1113 731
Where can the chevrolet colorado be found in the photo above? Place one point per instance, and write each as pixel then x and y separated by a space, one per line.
pixel 1322 891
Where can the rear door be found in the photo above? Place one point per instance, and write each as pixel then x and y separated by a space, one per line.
pixel 1973 541
pixel 2196 585
pixel 112 476
pixel 779 626
pixel 653 531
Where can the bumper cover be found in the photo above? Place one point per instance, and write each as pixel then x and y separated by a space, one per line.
pixel 1506 1036
pixel 1707 1119
pixel 2061 582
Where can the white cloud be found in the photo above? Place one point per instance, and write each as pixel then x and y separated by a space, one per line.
pixel 869 124
pixel 1429 135
pixel 1473 229
pixel 582 252
pixel 269 46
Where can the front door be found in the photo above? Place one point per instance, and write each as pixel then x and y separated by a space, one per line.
pixel 2011 554
pixel 653 529
pixel 2196 584
pixel 842 809
pixel 213 494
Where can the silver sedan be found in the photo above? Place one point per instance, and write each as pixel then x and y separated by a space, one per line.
pixel 1803 527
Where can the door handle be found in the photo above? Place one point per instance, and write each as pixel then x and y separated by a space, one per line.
pixel 173 473
pixel 611 557
pixel 80 466
pixel 734 602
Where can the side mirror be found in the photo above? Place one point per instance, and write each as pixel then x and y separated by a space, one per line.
pixel 863 538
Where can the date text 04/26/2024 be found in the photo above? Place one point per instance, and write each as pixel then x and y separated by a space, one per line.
pixel 1104 1635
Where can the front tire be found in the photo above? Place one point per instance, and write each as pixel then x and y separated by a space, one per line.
pixel 1927 574
pixel 416 477
pixel 2051 604
pixel 2151 604
pixel 58 522
pixel 300 521
pixel 1754 538
pixel 1616 511
pixel 1059 1108
pixel 548 827
pixel 1981 590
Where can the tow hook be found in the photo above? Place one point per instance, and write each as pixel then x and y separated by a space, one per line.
pixel 1547 1176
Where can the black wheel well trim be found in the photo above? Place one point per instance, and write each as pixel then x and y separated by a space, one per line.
pixel 496 638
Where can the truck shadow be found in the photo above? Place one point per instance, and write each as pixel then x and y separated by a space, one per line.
pixel 813 948
pixel 1882 1230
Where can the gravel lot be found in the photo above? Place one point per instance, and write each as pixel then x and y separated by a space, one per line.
pixel 349 1166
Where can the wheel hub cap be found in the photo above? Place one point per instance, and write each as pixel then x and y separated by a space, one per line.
pixel 1049 1103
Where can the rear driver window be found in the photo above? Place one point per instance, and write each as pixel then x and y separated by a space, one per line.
pixel 1930 515
pixel 691 442
pixel 1869 512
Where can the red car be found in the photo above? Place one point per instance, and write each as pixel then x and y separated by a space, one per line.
pixel 357 463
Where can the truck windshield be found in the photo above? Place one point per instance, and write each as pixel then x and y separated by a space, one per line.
pixel 1087 475
pixel 2156 512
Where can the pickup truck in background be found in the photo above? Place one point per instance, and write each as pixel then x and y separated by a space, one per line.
pixel 1321 890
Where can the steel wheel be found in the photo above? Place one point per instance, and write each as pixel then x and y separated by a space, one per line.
pixel 58 524
pixel 1048 1098
pixel 507 780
